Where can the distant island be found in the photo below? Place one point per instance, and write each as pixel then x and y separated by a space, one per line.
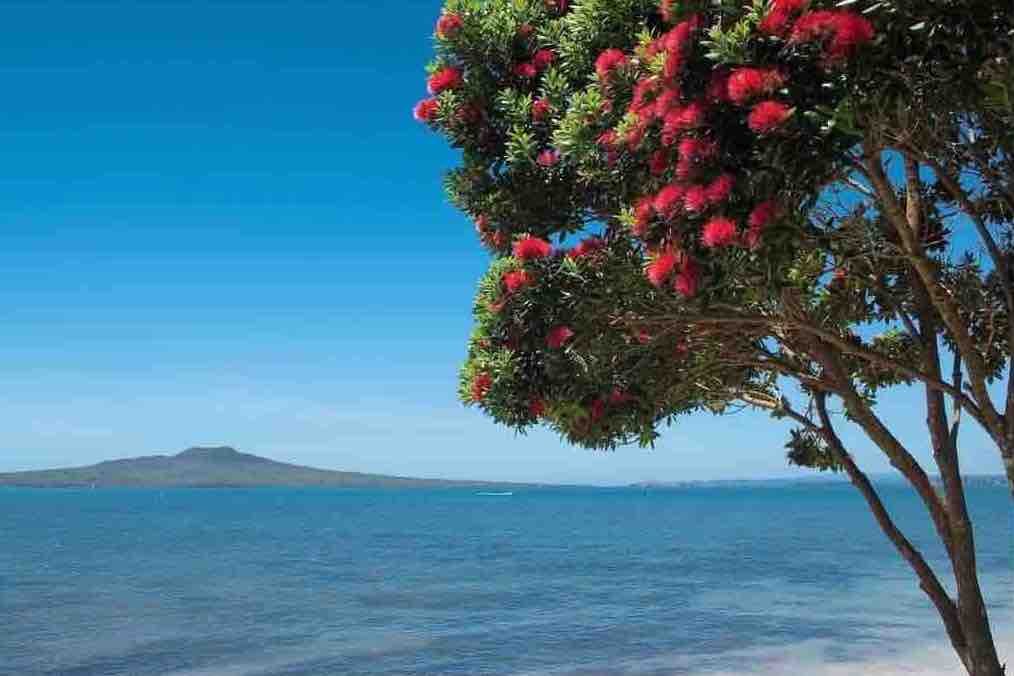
pixel 217 467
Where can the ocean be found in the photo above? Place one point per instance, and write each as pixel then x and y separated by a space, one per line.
pixel 606 582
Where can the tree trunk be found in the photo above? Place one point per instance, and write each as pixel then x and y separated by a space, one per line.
pixel 1008 463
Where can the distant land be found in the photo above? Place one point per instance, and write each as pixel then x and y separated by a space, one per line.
pixel 218 467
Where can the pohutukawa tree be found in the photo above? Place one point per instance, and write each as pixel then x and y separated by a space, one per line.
pixel 793 205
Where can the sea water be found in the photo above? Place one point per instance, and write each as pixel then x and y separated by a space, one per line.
pixel 709 580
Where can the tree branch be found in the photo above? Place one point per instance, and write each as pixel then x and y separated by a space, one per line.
pixel 928 581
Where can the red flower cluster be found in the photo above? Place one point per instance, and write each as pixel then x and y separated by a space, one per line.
pixel 448 26
pixel 559 336
pixel 526 70
pixel 658 164
pixel 531 248
pixel 841 32
pixel 540 109
pixel 660 270
pixel 608 61
pixel 719 232
pixel 444 79
pixel 761 216
pixel 719 190
pixel 688 279
pixel 537 408
pixel 782 14
pixel 767 116
pixel 548 158
pixel 516 280
pixel 426 110
pixel 669 201
pixel 541 60
pixel 682 119
pixel 481 385
pixel 746 84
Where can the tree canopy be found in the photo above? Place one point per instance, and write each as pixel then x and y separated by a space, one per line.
pixel 701 205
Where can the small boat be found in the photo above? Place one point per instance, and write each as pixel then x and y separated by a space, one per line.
pixel 500 494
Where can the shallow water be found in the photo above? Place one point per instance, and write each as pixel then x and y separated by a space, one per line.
pixel 605 582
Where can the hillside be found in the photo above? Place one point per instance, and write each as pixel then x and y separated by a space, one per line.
pixel 213 467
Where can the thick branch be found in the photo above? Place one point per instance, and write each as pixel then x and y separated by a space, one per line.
pixel 928 580
pixel 837 342
pixel 895 451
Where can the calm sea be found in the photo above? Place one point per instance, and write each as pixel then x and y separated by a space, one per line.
pixel 604 582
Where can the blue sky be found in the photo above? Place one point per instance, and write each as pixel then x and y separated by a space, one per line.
pixel 219 224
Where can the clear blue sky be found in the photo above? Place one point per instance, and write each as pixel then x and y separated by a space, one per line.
pixel 219 224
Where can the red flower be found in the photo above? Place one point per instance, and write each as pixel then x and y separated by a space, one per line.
pixel 608 61
pixel 686 169
pixel 675 43
pixel 498 240
pixel 767 116
pixel 688 279
pixel 619 397
pixel 746 84
pixel 548 158
pixel 752 237
pixel 643 337
pixel 674 63
pixel 660 269
pixel 481 385
pixel 669 201
pixel 444 79
pixel 643 212
pixel 525 30
pixel 481 223
pixel 530 248
pixel 607 139
pixel 448 26
pixel 540 109
pixel 693 149
pixel 587 247
pixel 526 70
pixel 720 189
pixel 635 135
pixel 696 199
pixel 679 120
pixel 646 92
pixel 426 110
pixel 658 163
pixel 763 214
pixel 665 102
pixel 536 408
pixel 543 59
pixel 781 15
pixel 842 32
pixel 516 280
pixel 719 232
pixel 597 411
pixel 558 336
